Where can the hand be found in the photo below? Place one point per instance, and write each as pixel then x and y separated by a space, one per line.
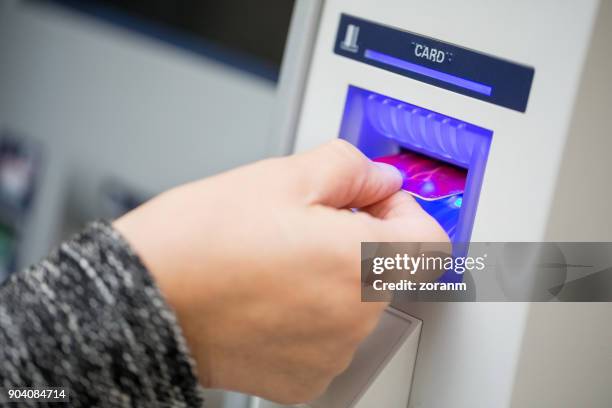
pixel 262 265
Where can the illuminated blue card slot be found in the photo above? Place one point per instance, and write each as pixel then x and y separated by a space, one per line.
pixel 380 126
pixel 428 72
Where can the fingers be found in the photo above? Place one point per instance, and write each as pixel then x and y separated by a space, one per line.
pixel 402 219
pixel 338 175
pixel 398 205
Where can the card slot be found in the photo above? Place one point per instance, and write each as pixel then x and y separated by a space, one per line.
pixel 425 177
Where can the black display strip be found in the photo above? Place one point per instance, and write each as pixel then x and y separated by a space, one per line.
pixel 435 62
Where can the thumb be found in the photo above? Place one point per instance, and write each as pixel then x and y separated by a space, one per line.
pixel 339 175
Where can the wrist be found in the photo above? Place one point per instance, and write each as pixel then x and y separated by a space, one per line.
pixel 165 254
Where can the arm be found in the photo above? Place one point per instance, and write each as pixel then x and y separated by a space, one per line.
pixel 260 266
pixel 90 318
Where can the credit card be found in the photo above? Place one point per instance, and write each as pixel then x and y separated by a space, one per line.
pixel 427 178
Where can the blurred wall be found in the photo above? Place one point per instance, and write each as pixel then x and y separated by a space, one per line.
pixel 107 103
pixel 566 357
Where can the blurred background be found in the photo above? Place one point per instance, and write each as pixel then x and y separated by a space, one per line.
pixel 104 103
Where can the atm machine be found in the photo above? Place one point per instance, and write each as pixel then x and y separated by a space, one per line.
pixel 516 94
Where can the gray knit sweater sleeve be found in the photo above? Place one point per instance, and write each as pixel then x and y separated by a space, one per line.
pixel 90 318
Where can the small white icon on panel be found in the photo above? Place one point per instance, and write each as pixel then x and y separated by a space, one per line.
pixel 350 38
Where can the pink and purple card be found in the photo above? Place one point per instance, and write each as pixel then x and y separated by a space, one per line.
pixel 427 178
